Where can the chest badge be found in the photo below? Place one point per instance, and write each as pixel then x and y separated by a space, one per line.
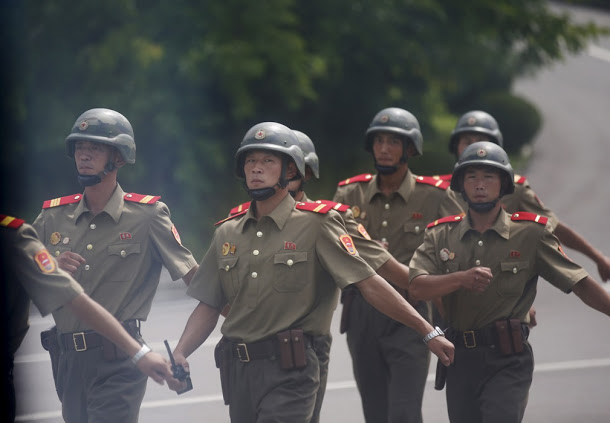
pixel 289 245
pixel 44 261
pixel 347 242
pixel 417 215
pixel 363 231
pixel 515 254
pixel 124 235
pixel 445 254
pixel 356 211
pixel 55 238
pixel 225 248
pixel 232 249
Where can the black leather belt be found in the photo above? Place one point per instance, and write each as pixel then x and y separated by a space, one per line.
pixel 83 341
pixel 267 348
pixel 478 337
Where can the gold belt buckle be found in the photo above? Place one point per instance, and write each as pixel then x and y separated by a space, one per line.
pixel 246 357
pixel 472 338
pixel 82 336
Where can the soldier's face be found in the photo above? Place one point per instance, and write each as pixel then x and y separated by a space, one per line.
pixel 387 148
pixel 91 157
pixel 482 183
pixel 262 169
pixel 468 138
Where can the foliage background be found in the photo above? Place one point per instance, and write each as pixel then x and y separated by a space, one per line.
pixel 193 76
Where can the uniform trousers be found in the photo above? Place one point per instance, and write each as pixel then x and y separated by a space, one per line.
pixel 322 347
pixel 261 392
pixel 390 364
pixel 485 386
pixel 93 390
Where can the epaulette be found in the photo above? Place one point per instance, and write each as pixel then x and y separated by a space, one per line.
pixel 335 206
pixel 314 207
pixel 439 183
pixel 142 199
pixel 10 221
pixel 520 179
pixel 233 216
pixel 240 208
pixel 62 201
pixel 365 177
pixel 446 177
pixel 446 219
pixel 532 217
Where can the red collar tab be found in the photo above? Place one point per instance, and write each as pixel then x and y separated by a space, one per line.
pixel 62 201
pixel 238 209
pixel 531 217
pixel 447 219
pixel 142 199
pixel 365 177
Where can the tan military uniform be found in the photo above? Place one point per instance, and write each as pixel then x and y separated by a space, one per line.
pixel 125 247
pixel 280 272
pixel 28 272
pixel 390 362
pixel 483 384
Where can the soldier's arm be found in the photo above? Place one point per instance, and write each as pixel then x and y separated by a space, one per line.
pixel 189 276
pixel 571 239
pixel 395 272
pixel 593 295
pixel 426 287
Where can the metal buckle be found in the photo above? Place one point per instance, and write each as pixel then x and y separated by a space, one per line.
pixel 472 338
pixel 82 336
pixel 245 357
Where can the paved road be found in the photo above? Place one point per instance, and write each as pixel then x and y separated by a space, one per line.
pixel 568 170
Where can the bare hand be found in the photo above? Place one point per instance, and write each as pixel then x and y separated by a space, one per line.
pixel 70 262
pixel 173 383
pixel 533 322
pixel 477 279
pixel 603 267
pixel 156 367
pixel 443 349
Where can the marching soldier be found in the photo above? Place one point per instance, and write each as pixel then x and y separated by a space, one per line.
pixel 114 244
pixel 280 282
pixel 29 272
pixel 485 266
pixel 390 364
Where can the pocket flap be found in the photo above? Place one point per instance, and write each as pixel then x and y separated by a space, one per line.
pixel 123 250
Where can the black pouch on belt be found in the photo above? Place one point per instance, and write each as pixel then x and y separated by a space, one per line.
pixel 517 336
pixel 222 356
pixel 284 341
pixel 298 348
pixel 48 339
pixel 504 337
pixel 347 297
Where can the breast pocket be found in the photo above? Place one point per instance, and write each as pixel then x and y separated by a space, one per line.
pixel 413 234
pixel 513 277
pixel 123 260
pixel 227 269
pixel 289 271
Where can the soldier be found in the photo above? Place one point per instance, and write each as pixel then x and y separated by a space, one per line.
pixel 485 266
pixel 477 126
pixel 390 364
pixel 278 265
pixel 114 244
pixel 30 272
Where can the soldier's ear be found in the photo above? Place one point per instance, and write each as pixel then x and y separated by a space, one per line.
pixel 291 170
pixel 118 159
pixel 411 150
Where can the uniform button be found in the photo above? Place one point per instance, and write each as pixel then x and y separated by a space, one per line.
pixel 254 275
pixel 384 240
pixel 56 253
pixel 87 267
pixel 384 223
pixel 256 252
pixel 514 270
pixel 92 226
pixel 89 247
pixel 480 243
pixel 227 268
pixel 447 271
pixel 259 234
pixel 123 253
pixel 290 262
pixel 477 262
pixel 417 229
pixel 387 206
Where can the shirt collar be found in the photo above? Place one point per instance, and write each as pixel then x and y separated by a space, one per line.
pixel 404 191
pixel 114 206
pixel 279 215
pixel 501 226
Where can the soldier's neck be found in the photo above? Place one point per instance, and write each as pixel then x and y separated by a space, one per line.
pixel 98 195
pixel 481 222
pixel 265 207
pixel 389 184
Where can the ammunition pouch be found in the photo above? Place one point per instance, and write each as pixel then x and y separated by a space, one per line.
pixel 50 343
pixel 222 357
pixel 347 297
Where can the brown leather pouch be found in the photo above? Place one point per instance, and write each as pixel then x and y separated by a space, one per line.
pixel 298 348
pixel 504 337
pixel 284 342
pixel 517 336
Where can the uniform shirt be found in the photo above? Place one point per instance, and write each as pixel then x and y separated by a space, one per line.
pixel 523 199
pixel 279 272
pixel 399 219
pixel 29 272
pixel 125 246
pixel 516 251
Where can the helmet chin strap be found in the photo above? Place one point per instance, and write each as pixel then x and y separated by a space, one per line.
pixel 388 170
pixel 481 207
pixel 90 180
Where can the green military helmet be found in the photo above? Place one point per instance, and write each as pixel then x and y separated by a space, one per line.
pixel 484 153
pixel 309 151
pixel 478 122
pixel 270 136
pixel 104 126
pixel 397 121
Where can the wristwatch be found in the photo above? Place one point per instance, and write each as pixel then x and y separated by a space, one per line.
pixel 143 351
pixel 436 332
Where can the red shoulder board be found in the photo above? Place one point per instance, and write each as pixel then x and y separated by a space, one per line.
pixel 446 219
pixel 314 207
pixel 365 177
pixel 430 180
pixel 62 201
pixel 532 217
pixel 142 199
pixel 446 177
pixel 10 221
pixel 520 179
pixel 240 208
pixel 233 216
pixel 335 206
